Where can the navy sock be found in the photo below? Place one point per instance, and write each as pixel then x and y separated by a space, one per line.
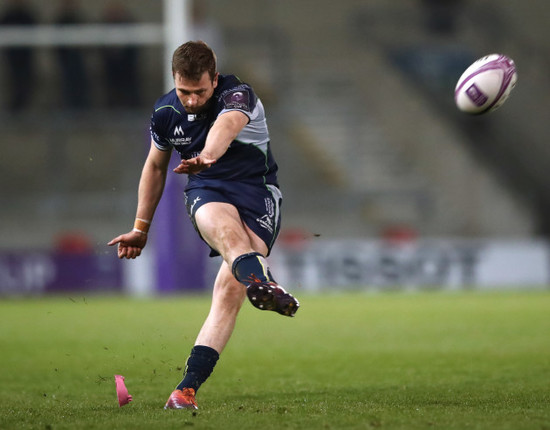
pixel 199 367
pixel 249 267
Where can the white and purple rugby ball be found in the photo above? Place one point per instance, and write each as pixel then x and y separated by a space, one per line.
pixel 486 84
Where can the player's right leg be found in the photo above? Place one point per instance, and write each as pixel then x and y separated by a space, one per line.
pixel 221 226
pixel 262 290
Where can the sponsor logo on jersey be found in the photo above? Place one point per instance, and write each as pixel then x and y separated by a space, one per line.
pixel 179 141
pixel 265 222
pixel 269 207
pixel 196 117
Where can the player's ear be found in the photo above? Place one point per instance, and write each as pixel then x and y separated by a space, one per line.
pixel 215 80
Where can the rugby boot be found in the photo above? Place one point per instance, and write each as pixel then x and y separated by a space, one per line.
pixel 269 296
pixel 182 399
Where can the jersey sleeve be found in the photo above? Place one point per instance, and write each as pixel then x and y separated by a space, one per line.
pixel 241 98
pixel 155 128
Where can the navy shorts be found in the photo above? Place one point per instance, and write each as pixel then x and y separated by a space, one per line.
pixel 258 206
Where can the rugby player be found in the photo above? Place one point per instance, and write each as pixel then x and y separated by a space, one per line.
pixel 217 125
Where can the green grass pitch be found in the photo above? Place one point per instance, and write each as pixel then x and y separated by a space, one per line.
pixel 464 360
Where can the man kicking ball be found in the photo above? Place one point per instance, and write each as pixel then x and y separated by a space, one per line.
pixel 232 197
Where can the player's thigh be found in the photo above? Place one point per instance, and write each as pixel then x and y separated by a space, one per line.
pixel 223 215
pixel 257 243
pixel 221 227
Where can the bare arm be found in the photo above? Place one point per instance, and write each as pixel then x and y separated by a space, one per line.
pixel 151 184
pixel 224 130
pixel 151 187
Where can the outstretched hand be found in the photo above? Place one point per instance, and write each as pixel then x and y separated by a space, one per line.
pixel 194 165
pixel 130 244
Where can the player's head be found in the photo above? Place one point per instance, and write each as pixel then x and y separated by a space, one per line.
pixel 192 59
pixel 195 76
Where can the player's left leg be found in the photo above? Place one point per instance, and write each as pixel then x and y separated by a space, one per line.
pixel 227 299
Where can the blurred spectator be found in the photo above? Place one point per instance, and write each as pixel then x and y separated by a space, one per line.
pixel 19 60
pixel 442 16
pixel 120 63
pixel 206 29
pixel 73 242
pixel 75 82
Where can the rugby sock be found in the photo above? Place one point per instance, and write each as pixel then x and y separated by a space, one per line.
pixel 249 266
pixel 199 367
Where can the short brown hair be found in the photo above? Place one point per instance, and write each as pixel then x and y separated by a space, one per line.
pixel 192 59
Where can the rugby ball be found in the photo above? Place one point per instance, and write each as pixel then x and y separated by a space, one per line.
pixel 486 84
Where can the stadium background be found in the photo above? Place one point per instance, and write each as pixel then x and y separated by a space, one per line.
pixel 375 160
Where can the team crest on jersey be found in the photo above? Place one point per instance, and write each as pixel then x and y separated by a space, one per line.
pixel 237 99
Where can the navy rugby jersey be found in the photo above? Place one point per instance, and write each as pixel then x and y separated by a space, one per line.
pixel 247 159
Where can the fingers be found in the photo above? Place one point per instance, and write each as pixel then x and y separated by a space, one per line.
pixel 208 161
pixel 115 241
pixel 133 252
pixel 124 250
pixel 194 165
pixel 128 252
pixel 182 167
pixel 185 166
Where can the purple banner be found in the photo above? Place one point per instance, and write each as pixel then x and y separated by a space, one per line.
pixel 180 254
pixel 39 272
